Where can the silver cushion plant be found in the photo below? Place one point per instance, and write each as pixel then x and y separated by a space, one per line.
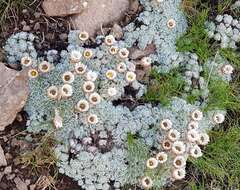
pixel 77 94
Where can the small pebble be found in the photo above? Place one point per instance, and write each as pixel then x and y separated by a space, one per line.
pixel 26 28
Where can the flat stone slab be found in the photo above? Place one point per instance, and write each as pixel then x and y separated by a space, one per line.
pixel 62 7
pixel 99 13
pixel 3 161
pixel 14 91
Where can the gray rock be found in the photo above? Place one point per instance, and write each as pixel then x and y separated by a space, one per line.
pixel 3 161
pixel 62 7
pixel 13 92
pixel 98 14
pixel 117 31
pixel 21 185
pixel 8 170
pixel 32 187
pixel 26 28
pixel 36 26
pixel 63 37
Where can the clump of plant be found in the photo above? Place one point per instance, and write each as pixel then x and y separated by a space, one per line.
pixel 138 153
pixel 42 156
pixel 8 7
pixel 222 96
pixel 221 158
pixel 164 86
pixel 224 5
pixel 231 55
pixel 196 39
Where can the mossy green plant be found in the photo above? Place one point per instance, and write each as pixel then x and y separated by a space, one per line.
pixel 164 86
pixel 224 5
pixel 194 186
pixel 8 7
pixel 196 38
pixel 42 156
pixel 193 96
pixel 137 154
pixel 232 56
pixel 221 96
pixel 221 158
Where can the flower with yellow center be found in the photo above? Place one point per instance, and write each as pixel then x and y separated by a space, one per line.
pixel 33 73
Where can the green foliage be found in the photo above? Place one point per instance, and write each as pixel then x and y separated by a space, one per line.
pixel 164 86
pixel 137 155
pixel 194 186
pixel 232 56
pixel 221 158
pixel 8 7
pixel 193 96
pixel 196 38
pixel 41 157
pixel 221 96
pixel 224 5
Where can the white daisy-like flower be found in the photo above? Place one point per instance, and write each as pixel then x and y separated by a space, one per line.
pixel 167 144
pixel 83 36
pixel 227 69
pixel 113 50
pixel 94 98
pixel 195 151
pixel 193 125
pixel 121 67
pixel 173 135
pixel 203 139
pixel 179 162
pixel 166 124
pixel 88 86
pixel 92 119
pixel 52 92
pixel 111 74
pixel 88 53
pixel 178 174
pixel 123 53
pixel 218 118
pixel 68 77
pixel 33 73
pixel 44 67
pixel 162 157
pixel 80 68
pixel 66 91
pixel 192 135
pixel 147 182
pixel 197 115
pixel 82 106
pixel 146 61
pixel 171 23
pixel 152 163
pixel 130 76
pixel 178 147
pixel 75 56
pixel 109 40
pixel 26 61
pixel 91 76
